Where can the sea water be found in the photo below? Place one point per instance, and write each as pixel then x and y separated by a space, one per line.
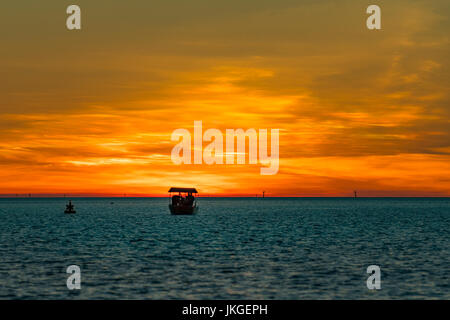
pixel 234 248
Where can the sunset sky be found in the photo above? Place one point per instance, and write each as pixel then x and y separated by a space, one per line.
pixel 92 111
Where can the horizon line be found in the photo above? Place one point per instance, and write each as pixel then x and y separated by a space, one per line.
pixel 95 195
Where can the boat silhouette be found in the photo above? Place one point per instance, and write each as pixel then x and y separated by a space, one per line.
pixel 184 203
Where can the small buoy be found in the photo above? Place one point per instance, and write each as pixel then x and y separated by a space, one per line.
pixel 70 208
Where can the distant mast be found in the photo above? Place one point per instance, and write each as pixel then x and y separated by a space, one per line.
pixel 355 194
pixel 263 193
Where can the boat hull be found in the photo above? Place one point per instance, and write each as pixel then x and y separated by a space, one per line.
pixel 70 212
pixel 181 210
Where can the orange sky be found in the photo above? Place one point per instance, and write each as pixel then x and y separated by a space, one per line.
pixel 92 111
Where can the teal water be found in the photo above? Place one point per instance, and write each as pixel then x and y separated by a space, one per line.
pixel 273 248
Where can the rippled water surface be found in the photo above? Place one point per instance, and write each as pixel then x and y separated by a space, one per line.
pixel 232 249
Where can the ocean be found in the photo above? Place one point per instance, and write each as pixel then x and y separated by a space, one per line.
pixel 234 248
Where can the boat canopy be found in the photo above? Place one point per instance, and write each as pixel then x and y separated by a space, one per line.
pixel 188 190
